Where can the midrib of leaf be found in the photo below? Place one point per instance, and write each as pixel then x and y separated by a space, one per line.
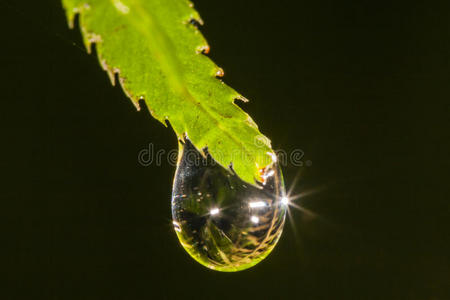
pixel 162 50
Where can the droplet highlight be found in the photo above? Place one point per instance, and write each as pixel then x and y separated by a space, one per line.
pixel 223 222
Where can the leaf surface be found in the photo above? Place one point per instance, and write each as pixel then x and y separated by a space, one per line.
pixel 156 50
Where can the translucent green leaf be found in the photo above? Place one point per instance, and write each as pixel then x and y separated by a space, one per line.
pixel 157 52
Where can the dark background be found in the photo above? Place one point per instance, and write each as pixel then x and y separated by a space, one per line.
pixel 362 87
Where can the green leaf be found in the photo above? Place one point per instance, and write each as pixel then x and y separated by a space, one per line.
pixel 156 50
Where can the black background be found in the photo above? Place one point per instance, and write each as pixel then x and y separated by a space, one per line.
pixel 362 87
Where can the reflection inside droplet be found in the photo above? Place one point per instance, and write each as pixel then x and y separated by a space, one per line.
pixel 223 222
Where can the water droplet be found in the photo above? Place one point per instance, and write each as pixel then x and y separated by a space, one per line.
pixel 237 224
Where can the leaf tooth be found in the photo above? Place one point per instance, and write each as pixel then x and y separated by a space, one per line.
pixel 250 122
pixel 195 21
pixel 110 71
pixel 134 99
pixel 204 49
pixel 219 72
pixel 242 98
pixel 74 12
pixel 93 38
pixel 194 13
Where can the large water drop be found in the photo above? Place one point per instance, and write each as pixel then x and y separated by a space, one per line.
pixel 223 222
